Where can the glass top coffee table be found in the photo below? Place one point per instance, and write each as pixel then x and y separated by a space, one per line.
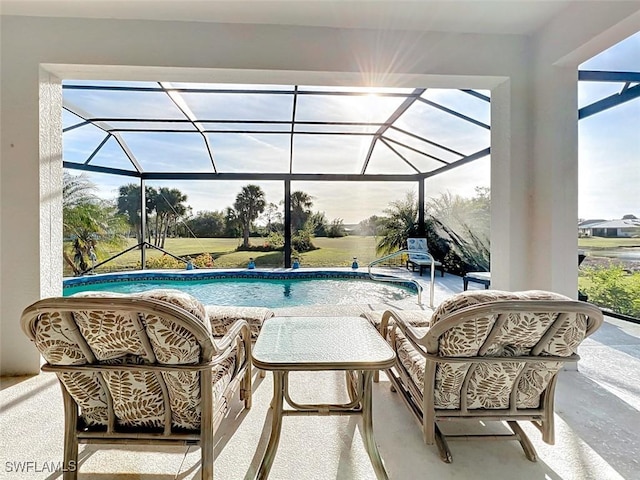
pixel 351 344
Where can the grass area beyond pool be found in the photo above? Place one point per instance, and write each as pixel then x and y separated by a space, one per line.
pixel 333 252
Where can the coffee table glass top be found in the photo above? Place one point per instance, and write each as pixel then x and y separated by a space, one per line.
pixel 321 343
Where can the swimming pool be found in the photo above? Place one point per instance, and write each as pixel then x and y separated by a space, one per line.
pixel 273 289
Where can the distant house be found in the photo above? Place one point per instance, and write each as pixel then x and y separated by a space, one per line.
pixel 626 227
pixel 584 228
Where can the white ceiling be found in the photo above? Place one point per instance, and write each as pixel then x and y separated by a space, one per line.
pixel 472 16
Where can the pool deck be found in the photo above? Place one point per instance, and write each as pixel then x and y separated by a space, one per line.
pixel 597 426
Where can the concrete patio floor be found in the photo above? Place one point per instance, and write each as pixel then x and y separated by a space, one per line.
pixel 597 427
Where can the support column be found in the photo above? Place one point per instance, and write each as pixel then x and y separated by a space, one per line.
pixel 287 224
pixel 554 215
pixel 510 147
pixel 30 202
pixel 143 223
pixel 421 226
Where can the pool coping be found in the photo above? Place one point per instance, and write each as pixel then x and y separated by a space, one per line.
pixel 238 273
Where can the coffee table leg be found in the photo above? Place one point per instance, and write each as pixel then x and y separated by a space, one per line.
pixel 367 420
pixel 276 425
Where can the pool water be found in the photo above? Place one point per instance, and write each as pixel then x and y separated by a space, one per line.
pixel 272 293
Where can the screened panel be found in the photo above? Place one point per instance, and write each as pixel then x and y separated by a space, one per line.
pixel 161 126
pixel 335 108
pixel 239 106
pixel 404 140
pixel 419 160
pixel 444 128
pixel 169 152
pixel 385 161
pixel 462 180
pixel 79 143
pixel 353 202
pixel 260 153
pixel 111 155
pixel 329 153
pixel 462 102
pixel 124 104
pixel 357 129
pixel 236 126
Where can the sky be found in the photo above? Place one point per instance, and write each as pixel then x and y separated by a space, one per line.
pixel 609 155
pixel 609 145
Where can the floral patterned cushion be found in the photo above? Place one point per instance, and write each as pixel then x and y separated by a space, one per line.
pixel 222 317
pixel 116 336
pixel 180 299
pixel 489 384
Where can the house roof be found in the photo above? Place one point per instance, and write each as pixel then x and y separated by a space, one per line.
pixel 631 223
pixel 589 223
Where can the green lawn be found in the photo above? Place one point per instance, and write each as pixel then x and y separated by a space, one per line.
pixel 608 243
pixel 331 252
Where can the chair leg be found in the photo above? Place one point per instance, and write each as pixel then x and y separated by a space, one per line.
pixel 206 425
pixel 443 446
pixel 527 446
pixel 247 388
pixel 70 463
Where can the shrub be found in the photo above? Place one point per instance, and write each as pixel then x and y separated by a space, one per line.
pixel 164 261
pixel 203 260
pixel 612 287
pixel 301 241
pixel 275 240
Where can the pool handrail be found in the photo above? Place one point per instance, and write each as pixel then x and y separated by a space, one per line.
pixel 397 279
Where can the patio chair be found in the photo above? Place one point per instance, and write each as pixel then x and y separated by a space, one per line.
pixel 140 369
pixel 419 256
pixel 487 355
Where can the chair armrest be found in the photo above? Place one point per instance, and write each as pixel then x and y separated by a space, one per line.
pixel 405 322
pixel 238 331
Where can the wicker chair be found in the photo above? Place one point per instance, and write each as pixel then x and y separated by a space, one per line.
pixel 143 368
pixel 487 355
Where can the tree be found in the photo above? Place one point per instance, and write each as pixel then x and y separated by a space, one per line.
pixel 336 229
pixel 249 204
pixel 301 204
pixel 400 224
pixel 128 204
pixel 207 224
pixel 458 230
pixel 76 190
pixel 169 206
pixel 273 218
pixel 371 226
pixel 88 222
pixel 318 224
pixel 232 227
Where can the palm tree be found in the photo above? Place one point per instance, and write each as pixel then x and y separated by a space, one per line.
pixel 88 221
pixel 169 207
pixel 249 204
pixel 129 205
pixel 301 204
pixel 401 223
pixel 91 226
pixel 76 190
